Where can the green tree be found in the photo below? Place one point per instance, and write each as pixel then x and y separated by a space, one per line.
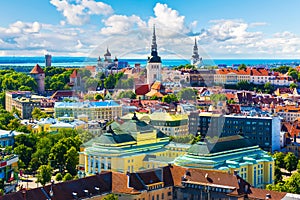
pixel 218 97
pixel 44 174
pixel 67 177
pixel 293 85
pixel 38 114
pixel 279 187
pixel 91 84
pixel 242 67
pixel 58 177
pixel 293 73
pixel 187 94
pixel 169 98
pixel 154 98
pixel 57 85
pixel 111 197
pixel 290 161
pixel 110 82
pixel 282 69
pixel 14 124
pixel 244 85
pixel 279 159
pixel 293 183
pixel 24 153
pixel 72 160
pixel 278 175
pixel 57 155
pixel 127 94
pixel 268 87
pixel 25 88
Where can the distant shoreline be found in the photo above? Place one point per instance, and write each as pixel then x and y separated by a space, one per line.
pixel 64 61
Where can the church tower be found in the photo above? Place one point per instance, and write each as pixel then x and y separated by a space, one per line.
pixel 195 60
pixel 154 63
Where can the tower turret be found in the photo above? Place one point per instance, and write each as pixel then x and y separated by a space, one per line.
pixel 39 76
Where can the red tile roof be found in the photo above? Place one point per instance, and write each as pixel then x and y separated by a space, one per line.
pixel 256 193
pixel 141 89
pixel 37 70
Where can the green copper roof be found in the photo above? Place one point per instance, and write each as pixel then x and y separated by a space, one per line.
pixel 109 138
pixel 216 145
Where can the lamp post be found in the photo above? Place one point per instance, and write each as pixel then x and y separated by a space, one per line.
pixel 51 189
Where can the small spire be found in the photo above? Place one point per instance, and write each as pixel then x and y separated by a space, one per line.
pixel 134 116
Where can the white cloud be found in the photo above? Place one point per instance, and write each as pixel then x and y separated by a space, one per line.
pixel 169 19
pixel 120 24
pixel 78 12
pixel 130 36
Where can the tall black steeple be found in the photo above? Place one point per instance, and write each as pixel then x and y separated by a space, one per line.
pixel 154 45
pixel 154 55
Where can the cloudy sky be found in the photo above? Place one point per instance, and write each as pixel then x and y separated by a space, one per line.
pixel 223 28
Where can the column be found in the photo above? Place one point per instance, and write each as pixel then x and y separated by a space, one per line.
pixel 89 164
pixel 99 164
pixel 94 164
pixel 105 163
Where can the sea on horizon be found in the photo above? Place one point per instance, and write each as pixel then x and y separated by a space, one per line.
pixel 19 61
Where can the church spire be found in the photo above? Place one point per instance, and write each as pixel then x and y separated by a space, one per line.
pixel 195 46
pixel 154 45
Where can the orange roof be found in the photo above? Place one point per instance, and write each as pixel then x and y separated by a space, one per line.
pixel 248 71
pixel 91 68
pixel 74 74
pixel 156 85
pixel 154 93
pixel 259 72
pixel 37 70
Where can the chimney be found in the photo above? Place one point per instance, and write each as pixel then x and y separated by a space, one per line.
pixel 128 179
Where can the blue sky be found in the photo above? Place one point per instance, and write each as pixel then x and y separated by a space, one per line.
pixel 223 28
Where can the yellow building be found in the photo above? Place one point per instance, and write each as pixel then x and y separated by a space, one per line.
pixel 128 147
pixel 55 125
pixel 170 124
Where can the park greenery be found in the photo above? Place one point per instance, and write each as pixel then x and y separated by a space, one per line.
pixel 46 152
pixel 288 162
pixel 9 122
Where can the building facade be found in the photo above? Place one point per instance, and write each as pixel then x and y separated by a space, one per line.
pixel 128 147
pixel 262 131
pixel 170 124
pixel 101 110
pixel 48 60
pixel 233 154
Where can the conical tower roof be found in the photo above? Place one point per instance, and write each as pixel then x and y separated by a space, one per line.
pixel 37 70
